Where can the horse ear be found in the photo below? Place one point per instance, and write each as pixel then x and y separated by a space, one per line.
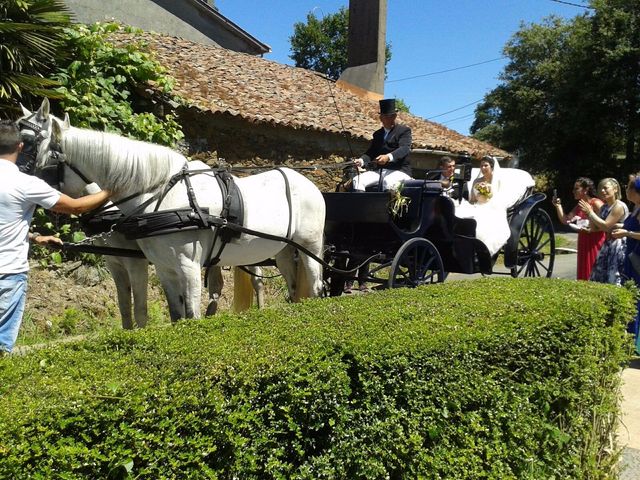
pixel 66 124
pixel 56 131
pixel 43 111
pixel 25 111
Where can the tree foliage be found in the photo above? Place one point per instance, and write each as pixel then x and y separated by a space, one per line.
pixel 569 96
pixel 31 34
pixel 321 44
pixel 102 85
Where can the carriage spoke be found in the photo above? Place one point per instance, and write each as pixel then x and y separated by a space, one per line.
pixel 416 263
pixel 541 264
pixel 542 245
pixel 536 246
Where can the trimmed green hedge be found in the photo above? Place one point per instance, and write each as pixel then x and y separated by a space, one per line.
pixel 493 378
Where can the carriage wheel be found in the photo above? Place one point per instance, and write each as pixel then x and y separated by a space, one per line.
pixel 416 263
pixel 536 246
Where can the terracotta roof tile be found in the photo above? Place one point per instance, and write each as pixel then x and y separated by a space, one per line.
pixel 223 81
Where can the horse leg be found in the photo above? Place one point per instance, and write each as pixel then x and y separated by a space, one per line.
pixel 192 281
pixel 309 273
pixel 258 285
pixel 242 290
pixel 138 272
pixel 215 283
pixel 173 291
pixel 123 289
pixel 286 263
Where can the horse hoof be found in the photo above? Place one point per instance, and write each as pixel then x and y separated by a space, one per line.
pixel 212 308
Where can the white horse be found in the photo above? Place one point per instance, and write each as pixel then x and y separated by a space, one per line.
pixel 131 274
pixel 282 204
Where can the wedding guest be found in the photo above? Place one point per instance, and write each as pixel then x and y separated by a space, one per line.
pixel 631 232
pixel 610 259
pixel 589 242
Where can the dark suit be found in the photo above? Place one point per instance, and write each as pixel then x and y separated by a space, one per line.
pixel 397 143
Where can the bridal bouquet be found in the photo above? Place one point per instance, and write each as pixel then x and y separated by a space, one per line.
pixel 484 191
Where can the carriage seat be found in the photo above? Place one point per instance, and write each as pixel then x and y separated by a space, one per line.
pixel 515 185
pixel 430 186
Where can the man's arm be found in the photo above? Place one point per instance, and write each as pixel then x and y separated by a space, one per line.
pixel 404 145
pixel 374 146
pixel 75 206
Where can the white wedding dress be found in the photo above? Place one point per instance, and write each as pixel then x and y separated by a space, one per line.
pixel 492 226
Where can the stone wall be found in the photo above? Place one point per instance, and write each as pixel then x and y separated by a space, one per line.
pixel 217 138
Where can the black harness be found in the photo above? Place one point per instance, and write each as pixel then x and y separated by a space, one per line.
pixel 32 135
pixel 161 222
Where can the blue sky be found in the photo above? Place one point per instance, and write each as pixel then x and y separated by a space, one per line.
pixel 426 36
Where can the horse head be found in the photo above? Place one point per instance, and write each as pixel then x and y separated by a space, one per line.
pixel 42 153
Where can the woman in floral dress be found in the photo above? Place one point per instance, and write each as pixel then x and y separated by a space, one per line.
pixel 609 263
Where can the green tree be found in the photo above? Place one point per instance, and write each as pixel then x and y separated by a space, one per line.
pixel 401 105
pixel 101 85
pixel 568 98
pixel 321 44
pixel 616 43
pixel 30 38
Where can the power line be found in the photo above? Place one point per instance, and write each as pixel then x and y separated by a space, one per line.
pixel 446 71
pixel 573 4
pixel 459 118
pixel 454 110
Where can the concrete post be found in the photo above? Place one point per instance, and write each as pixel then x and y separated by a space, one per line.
pixel 366 47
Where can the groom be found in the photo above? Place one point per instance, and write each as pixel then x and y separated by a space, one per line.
pixel 387 158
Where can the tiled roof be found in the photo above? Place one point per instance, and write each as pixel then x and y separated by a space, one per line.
pixel 258 90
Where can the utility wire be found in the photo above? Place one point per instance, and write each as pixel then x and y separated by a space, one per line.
pixel 573 4
pixel 446 71
pixel 454 110
pixel 459 118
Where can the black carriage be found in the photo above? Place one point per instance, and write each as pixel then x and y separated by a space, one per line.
pixel 421 242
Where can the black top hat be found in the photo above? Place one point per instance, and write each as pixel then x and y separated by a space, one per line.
pixel 388 106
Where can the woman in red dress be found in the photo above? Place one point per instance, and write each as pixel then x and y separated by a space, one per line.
pixel 589 243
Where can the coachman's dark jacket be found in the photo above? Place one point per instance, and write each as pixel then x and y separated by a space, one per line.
pixel 397 143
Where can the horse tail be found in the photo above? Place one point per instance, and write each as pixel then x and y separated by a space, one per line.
pixel 242 290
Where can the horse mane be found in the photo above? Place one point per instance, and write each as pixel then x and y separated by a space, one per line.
pixel 119 163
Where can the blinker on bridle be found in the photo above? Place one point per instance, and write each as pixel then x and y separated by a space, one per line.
pixel 32 136
pixel 52 172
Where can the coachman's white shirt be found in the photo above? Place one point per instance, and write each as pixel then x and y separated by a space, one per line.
pixel 20 194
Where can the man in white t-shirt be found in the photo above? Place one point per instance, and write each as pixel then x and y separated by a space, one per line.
pixel 20 194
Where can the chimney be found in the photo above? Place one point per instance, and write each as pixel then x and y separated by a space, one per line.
pixel 366 48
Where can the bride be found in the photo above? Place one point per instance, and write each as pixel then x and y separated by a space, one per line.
pixel 486 206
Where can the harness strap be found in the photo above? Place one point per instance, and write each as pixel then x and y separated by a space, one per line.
pixel 211 259
pixel 231 202
pixel 193 201
pixel 225 180
pixel 288 194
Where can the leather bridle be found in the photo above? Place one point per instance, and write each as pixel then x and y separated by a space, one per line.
pixel 52 170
